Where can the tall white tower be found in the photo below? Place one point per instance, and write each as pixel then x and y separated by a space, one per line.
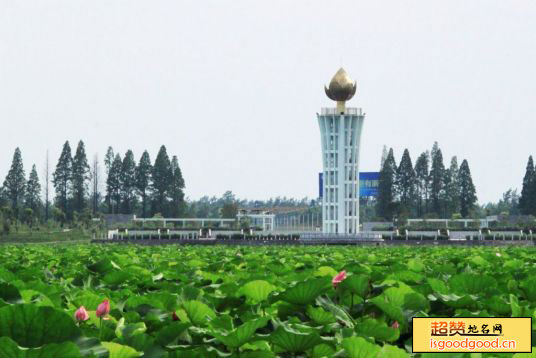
pixel 340 131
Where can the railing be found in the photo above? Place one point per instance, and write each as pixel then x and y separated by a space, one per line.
pixel 333 111
pixel 332 236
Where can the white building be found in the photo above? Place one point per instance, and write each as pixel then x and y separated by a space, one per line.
pixel 340 131
pixel 264 219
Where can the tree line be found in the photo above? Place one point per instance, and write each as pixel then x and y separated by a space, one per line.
pixel 142 188
pixel 428 189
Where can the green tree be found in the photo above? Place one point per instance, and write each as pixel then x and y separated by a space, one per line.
pixel 437 179
pixel 113 185
pixel 468 197
pixel 422 177
pixel 15 183
pixel 143 180
pixel 406 182
pixel 385 152
pixel 32 198
pixel 108 161
pixel 176 189
pixel 161 177
pixel 62 178
pixel 128 183
pixel 386 182
pixel 452 189
pixel 3 197
pixel 80 178
pixel 28 217
pixel 527 199
pixel 58 215
pixel 229 209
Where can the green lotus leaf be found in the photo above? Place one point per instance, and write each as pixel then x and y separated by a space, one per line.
pixel 395 300
pixel 416 265
pixel 291 340
pixel 320 316
pixel 529 288
pixel 128 330
pixel 256 291
pixel 389 351
pixel 326 271
pixel 10 294
pixel 378 330
pixel 171 332
pixel 359 347
pixel 472 284
pixel 257 354
pixel 120 351
pixel 526 355
pixel 32 326
pixel 10 349
pixel 437 285
pixel 198 312
pixel 356 284
pixel 116 278
pixel 306 292
pixel 323 351
pixel 241 335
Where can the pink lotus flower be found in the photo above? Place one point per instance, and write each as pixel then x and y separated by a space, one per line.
pixel 395 325
pixel 498 254
pixel 103 309
pixel 341 276
pixel 81 314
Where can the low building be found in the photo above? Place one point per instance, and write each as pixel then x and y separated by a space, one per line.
pixel 261 218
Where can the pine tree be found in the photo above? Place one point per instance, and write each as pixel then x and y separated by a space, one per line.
pixel 527 199
pixel 33 193
pixel 406 182
pixel 176 189
pixel 95 184
pixel 423 183
pixel 47 188
pixel 15 183
pixel 452 189
pixel 128 183
pixel 108 161
pixel 80 178
pixel 161 177
pixel 62 177
pixel 467 189
pixel 386 195
pixel 384 155
pixel 143 180
pixel 113 185
pixel 437 179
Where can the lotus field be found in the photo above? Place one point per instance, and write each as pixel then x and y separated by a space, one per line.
pixel 131 301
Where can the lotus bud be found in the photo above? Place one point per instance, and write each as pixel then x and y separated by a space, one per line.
pixel 341 276
pixel 103 309
pixel 81 314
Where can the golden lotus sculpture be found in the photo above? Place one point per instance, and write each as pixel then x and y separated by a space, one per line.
pixel 341 89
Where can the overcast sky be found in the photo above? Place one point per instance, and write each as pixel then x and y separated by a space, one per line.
pixel 233 87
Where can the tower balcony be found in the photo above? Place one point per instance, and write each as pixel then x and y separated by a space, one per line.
pixel 348 111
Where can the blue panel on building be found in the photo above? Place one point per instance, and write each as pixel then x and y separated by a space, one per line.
pixel 368 184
